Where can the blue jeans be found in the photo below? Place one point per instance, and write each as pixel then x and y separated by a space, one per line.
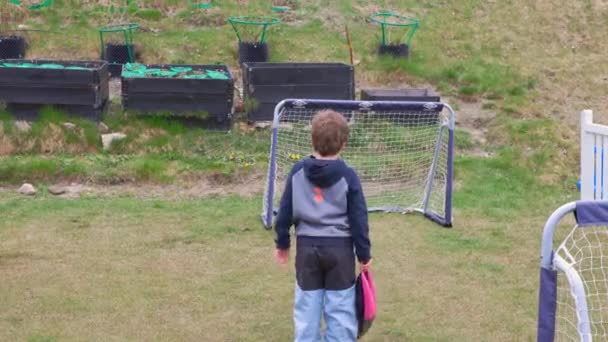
pixel 338 309
pixel 325 273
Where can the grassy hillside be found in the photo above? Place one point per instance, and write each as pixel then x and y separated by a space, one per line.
pixel 518 73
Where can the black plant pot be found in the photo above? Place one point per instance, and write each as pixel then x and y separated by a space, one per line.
pixel 12 47
pixel 396 50
pixel 117 55
pixel 253 52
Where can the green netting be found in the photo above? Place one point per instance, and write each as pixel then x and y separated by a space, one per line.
pixel 136 70
pixel 252 29
pixel 76 68
pixel 396 29
pixel 42 66
pixel 197 76
pixel 181 69
pixel 18 65
pixel 130 74
pixel 217 75
pixel 281 9
pixel 32 4
pixel 51 66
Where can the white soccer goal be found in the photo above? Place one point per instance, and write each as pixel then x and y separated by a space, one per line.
pixel 594 158
pixel 402 152
pixel 573 296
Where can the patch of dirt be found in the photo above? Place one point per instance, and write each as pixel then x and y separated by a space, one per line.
pixel 204 188
pixel 471 117
pixel 115 90
pixel 248 186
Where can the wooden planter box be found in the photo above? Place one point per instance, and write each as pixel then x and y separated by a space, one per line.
pixel 420 95
pixel 414 95
pixel 267 84
pixel 78 88
pixel 197 102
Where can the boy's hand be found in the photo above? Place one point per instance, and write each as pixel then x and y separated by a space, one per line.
pixel 282 256
pixel 366 266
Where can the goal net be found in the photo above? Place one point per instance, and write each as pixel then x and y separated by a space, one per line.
pixel 573 302
pixel 402 152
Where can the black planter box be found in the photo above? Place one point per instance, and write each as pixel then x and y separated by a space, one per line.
pixel 415 95
pixel 40 86
pixel 395 50
pixel 420 95
pixel 181 98
pixel 267 84
pixel 12 47
pixel 253 52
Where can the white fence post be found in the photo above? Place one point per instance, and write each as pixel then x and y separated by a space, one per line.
pixel 587 156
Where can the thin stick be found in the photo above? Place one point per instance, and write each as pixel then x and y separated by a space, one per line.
pixel 350 45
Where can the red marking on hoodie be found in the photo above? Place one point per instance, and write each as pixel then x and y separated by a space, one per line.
pixel 318 195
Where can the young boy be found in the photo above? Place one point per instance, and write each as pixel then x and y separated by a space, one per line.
pixel 324 200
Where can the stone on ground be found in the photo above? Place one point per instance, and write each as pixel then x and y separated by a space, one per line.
pixel 23 126
pixel 57 190
pixel 103 128
pixel 108 139
pixel 69 125
pixel 27 189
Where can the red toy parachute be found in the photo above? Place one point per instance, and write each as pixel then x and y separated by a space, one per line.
pixel 365 301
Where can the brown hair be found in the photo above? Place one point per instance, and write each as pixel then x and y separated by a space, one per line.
pixel 329 132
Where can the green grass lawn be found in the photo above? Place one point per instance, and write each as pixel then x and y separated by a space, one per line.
pixel 124 268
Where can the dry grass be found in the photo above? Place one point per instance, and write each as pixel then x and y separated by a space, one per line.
pixel 561 47
pixel 125 269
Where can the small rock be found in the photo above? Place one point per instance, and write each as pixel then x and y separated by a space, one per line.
pixel 69 125
pixel 103 128
pixel 23 126
pixel 27 189
pixel 57 190
pixel 108 139
pixel 263 124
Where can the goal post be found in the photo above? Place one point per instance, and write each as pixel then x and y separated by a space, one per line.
pixel 573 293
pixel 402 151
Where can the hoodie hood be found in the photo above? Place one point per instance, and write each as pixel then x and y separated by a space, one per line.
pixel 323 173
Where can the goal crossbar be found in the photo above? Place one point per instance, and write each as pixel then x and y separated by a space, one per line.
pixel 403 152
